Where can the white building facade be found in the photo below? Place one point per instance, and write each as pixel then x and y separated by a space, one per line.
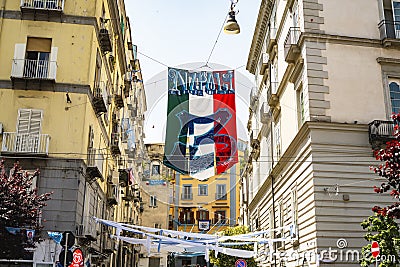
pixel 324 70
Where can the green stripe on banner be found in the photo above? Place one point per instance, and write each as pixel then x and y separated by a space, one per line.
pixel 175 144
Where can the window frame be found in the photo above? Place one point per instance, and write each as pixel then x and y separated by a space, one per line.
pixel 205 188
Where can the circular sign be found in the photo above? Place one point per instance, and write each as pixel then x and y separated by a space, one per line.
pixel 375 249
pixel 77 259
pixel 240 263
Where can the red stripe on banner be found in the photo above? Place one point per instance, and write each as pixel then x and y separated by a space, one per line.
pixel 225 137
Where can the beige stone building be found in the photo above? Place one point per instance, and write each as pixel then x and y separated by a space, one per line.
pixel 324 71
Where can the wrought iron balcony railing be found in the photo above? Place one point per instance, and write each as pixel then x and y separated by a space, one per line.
pixel 34 69
pixel 37 144
pixel 380 132
pixel 272 97
pixel 56 5
pixel 100 97
pixel 389 29
pixel 291 47
pixel 187 196
pixel 94 165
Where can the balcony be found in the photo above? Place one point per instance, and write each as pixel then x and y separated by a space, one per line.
pixel 34 69
pixel 128 194
pixel 112 194
pixel 270 41
pixel 118 100
pixel 291 46
pixel 264 63
pixel 389 32
pixel 105 38
pixel 94 167
pixel 187 196
pixel 26 144
pixel 221 196
pixel 47 8
pixel 87 230
pixel 253 97
pixel 123 177
pixel 115 149
pixel 100 97
pixel 265 113
pixel 255 145
pixel 380 132
pixel 272 97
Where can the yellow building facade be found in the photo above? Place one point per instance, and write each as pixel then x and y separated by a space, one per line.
pixel 72 103
pixel 207 206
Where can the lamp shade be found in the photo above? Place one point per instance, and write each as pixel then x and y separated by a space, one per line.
pixel 231 25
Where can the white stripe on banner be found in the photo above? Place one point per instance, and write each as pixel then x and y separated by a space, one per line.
pixel 200 107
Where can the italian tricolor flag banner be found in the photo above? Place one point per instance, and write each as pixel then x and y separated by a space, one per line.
pixel 201 138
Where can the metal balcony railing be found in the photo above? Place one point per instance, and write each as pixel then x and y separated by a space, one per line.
pixel 270 41
pixel 100 97
pixel 56 5
pixel 221 196
pixel 187 196
pixel 25 143
pixel 389 29
pixel 105 34
pixel 34 69
pixel 380 132
pixel 272 90
pixel 291 49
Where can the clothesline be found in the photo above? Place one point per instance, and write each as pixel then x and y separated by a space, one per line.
pixel 206 242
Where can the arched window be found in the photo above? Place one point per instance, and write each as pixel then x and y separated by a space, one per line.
pixel 395 96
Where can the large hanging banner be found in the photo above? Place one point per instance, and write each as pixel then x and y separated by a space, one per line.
pixel 201 138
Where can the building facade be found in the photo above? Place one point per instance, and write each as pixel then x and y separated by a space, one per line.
pixel 156 197
pixel 324 72
pixel 210 205
pixel 72 102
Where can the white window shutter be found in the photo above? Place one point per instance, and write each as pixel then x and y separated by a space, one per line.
pixel 23 121
pixel 18 61
pixel 36 122
pixel 53 63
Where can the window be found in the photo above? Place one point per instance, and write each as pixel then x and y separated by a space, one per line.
pixel 37 57
pixel 293 229
pixel 187 192
pixel 203 190
pixel 202 215
pixel 155 169
pixel 394 88
pixel 277 140
pixel 300 106
pixel 29 125
pixel 186 216
pixel 153 201
pixel 396 17
pixel 219 217
pixel 221 191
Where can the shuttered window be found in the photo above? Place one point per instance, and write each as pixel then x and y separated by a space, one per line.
pixel 29 121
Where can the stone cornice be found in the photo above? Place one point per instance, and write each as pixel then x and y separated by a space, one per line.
pixel 259 34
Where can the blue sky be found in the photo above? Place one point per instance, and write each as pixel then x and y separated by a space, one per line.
pixel 177 32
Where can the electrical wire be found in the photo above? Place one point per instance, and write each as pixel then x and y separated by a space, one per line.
pixel 216 41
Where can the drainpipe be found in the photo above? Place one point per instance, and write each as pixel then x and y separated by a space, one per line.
pixel 3 8
pixel 272 162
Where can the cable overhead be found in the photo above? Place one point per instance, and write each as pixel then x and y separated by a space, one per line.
pixel 216 41
pixel 155 60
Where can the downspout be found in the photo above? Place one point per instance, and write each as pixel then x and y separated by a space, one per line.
pixel 3 8
pixel 272 162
